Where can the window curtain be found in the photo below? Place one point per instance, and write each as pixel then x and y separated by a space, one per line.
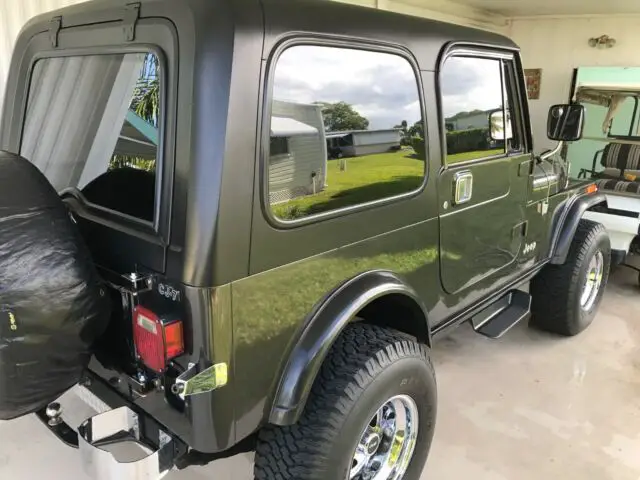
pixel 75 112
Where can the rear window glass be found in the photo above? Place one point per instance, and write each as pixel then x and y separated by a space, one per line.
pixel 92 125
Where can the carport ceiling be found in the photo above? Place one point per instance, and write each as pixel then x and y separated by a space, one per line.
pixel 525 8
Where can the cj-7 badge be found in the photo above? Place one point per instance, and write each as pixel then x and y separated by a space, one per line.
pixel 169 292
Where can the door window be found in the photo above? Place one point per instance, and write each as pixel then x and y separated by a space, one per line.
pixel 345 130
pixel 479 108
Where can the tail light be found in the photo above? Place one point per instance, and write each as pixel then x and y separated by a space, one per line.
pixel 157 339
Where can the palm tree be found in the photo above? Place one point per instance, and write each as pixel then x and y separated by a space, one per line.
pixel 404 132
pixel 147 100
pixel 146 104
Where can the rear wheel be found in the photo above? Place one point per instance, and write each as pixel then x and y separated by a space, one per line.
pixel 566 297
pixel 370 415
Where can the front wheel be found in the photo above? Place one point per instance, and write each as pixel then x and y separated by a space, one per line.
pixel 370 416
pixel 566 297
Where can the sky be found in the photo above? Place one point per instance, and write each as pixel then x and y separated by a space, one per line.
pixel 470 84
pixel 381 86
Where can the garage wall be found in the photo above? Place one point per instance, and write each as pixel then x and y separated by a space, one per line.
pixel 559 44
pixel 442 10
pixel 13 15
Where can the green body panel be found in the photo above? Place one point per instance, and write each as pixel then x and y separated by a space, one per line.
pixel 482 236
pixel 539 218
pixel 270 307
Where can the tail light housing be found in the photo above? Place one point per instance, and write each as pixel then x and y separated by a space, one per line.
pixel 157 339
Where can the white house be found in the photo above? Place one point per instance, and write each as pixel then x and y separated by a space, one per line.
pixel 355 143
pixel 469 121
pixel 298 151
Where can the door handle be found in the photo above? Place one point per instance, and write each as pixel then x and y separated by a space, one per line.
pixel 463 187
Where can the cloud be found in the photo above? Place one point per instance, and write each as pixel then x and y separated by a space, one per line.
pixel 381 86
pixel 470 84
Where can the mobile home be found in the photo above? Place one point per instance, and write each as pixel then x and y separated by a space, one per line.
pixel 298 161
pixel 355 143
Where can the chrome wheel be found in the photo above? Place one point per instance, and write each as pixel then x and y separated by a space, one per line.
pixel 386 445
pixel 592 282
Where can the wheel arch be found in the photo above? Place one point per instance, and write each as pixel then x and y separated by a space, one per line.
pixel 567 225
pixel 366 297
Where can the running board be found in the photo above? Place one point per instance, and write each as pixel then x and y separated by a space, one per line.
pixel 501 316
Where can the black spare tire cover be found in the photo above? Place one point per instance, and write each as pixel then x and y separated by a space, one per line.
pixel 53 305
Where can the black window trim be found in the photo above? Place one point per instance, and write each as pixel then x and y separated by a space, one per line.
pixel 267 105
pixel 513 93
pixel 486 52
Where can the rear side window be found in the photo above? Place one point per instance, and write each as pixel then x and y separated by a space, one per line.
pixel 92 125
pixel 480 115
pixel 345 129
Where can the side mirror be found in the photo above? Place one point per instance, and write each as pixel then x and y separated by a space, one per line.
pixel 565 122
pixel 497 130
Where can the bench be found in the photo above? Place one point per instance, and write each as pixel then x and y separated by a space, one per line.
pixel 618 160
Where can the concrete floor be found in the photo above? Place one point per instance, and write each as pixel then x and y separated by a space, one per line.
pixel 526 407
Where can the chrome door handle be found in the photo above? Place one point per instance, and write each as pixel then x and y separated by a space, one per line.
pixel 463 189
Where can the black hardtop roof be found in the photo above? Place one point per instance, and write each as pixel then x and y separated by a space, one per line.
pixel 424 37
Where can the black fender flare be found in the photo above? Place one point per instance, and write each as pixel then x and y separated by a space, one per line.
pixel 565 228
pixel 321 328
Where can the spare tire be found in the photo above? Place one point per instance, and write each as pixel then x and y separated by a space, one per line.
pixel 53 305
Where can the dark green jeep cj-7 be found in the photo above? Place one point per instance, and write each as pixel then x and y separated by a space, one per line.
pixel 283 204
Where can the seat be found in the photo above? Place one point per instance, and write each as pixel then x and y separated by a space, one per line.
pixel 621 162
pixel 619 186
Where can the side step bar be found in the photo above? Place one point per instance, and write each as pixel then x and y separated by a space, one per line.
pixel 501 316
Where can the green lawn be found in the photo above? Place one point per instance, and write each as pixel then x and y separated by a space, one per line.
pixel 366 178
pixel 463 157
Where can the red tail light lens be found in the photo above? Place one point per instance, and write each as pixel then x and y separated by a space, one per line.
pixel 157 340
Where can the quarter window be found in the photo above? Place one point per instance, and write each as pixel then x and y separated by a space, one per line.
pixel 92 125
pixel 480 116
pixel 345 129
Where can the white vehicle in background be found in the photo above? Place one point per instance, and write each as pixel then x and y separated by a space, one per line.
pixel 616 166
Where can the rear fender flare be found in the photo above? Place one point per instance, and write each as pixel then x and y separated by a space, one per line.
pixel 568 224
pixel 321 328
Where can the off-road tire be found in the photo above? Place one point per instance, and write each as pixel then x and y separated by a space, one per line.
pixel 556 290
pixel 366 366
